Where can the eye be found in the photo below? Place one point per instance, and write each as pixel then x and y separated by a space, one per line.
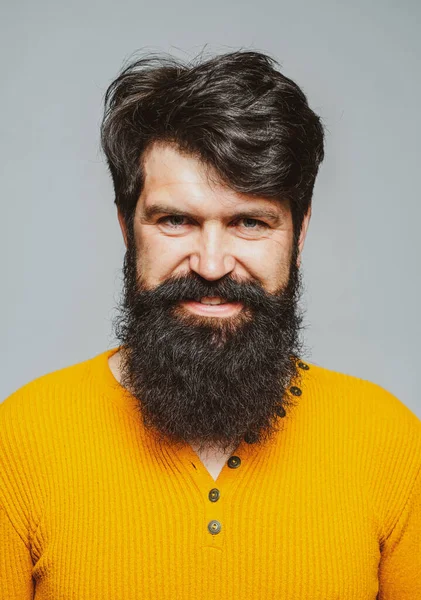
pixel 253 224
pixel 173 221
pixel 248 223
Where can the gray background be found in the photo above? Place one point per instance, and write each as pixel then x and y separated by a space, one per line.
pixel 60 246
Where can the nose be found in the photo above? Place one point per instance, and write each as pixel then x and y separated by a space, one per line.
pixel 212 259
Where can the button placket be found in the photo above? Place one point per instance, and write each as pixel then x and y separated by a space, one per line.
pixel 294 389
pixel 216 525
pixel 213 525
pixel 228 481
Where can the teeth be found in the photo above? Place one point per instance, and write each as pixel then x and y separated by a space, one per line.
pixel 210 300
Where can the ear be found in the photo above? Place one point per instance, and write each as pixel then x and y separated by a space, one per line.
pixel 303 233
pixel 123 226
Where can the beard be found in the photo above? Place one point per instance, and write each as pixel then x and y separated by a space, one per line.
pixel 209 381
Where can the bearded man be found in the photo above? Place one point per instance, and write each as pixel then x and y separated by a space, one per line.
pixel 203 457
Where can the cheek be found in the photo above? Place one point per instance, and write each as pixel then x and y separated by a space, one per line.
pixel 158 256
pixel 268 261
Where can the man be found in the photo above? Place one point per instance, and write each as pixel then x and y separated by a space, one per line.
pixel 203 457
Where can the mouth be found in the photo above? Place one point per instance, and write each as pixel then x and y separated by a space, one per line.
pixel 212 306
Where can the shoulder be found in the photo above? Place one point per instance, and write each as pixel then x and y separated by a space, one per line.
pixel 371 421
pixel 37 407
pixel 32 422
pixel 359 399
pixel 371 430
pixel 37 422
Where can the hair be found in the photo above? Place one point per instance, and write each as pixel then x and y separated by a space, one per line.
pixel 235 112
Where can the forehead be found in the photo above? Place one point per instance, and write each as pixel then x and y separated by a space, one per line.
pixel 185 182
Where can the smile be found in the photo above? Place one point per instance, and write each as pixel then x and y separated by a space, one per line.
pixel 210 307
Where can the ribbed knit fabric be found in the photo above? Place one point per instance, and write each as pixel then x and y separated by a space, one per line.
pixel 94 507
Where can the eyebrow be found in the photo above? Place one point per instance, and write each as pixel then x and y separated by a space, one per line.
pixel 158 209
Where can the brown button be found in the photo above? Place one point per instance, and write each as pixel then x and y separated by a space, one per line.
pixel 234 462
pixel 295 390
pixel 303 366
pixel 214 527
pixel 280 411
pixel 214 495
pixel 250 438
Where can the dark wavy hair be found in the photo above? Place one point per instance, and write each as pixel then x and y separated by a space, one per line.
pixel 235 112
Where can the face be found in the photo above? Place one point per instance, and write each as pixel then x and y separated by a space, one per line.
pixel 185 223
pixel 208 374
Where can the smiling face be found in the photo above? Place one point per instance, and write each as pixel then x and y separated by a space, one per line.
pixel 184 223
pixel 208 374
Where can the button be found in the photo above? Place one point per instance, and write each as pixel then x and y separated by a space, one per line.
pixel 295 390
pixel 234 462
pixel 214 527
pixel 214 495
pixel 280 411
pixel 303 366
pixel 250 438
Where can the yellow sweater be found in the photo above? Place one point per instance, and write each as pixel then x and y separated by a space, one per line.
pixel 93 507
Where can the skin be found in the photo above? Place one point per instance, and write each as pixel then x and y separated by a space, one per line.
pixel 202 232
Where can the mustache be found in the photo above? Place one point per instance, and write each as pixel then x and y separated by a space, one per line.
pixel 179 288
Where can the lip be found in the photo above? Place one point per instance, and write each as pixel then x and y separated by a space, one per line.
pixel 226 309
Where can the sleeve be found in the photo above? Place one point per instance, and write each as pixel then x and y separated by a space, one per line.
pixel 400 563
pixel 15 563
pixel 20 499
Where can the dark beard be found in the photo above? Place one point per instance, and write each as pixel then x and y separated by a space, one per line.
pixel 206 380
